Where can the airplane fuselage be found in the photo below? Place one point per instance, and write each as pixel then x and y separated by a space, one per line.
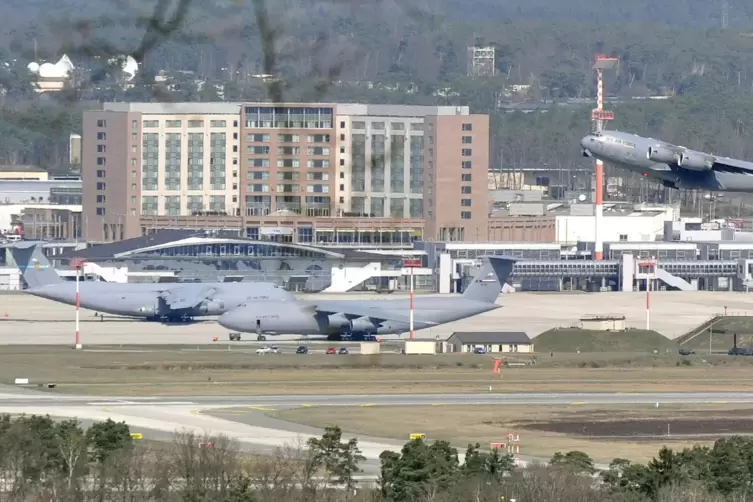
pixel 301 320
pixel 630 152
pixel 143 300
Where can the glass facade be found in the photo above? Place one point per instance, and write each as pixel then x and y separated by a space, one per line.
pixel 358 163
pixel 172 161
pixel 377 163
pixel 288 117
pixel 397 164
pixel 416 164
pixel 149 161
pixel 195 161
pixel 217 153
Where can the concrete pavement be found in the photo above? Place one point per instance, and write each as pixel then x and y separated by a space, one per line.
pixel 264 434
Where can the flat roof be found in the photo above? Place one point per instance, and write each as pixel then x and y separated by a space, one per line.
pixel 235 108
pixel 22 168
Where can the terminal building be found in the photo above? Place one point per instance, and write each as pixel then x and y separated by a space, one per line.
pixel 189 256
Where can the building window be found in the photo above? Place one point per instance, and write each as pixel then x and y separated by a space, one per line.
pixel 195 123
pixel 465 215
pixel 467 127
pixel 258 150
pixel 259 138
pixel 134 162
pixel 465 190
pixel 465 177
pixel 342 124
pixel 101 148
pixel 101 161
pixel 101 136
pixel 465 202
pixel 101 199
pixel 100 211
pixel 133 187
pixel 357 124
pixel 134 175
pixel 379 126
pixel 467 164
pixel 134 137
pixel 101 186
pixel 217 123
pixel 101 123
pixel 100 173
pixel 151 123
pixel 623 237
pixel 467 152
pixel 467 140
pixel 172 123
pixel 134 124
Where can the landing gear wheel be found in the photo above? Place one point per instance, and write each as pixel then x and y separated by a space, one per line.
pixel 261 338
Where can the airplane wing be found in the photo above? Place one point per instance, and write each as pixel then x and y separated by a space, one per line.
pixel 352 311
pixel 736 166
pixel 186 296
pixel 719 164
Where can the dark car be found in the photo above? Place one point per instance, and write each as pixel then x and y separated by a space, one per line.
pixel 686 351
pixel 740 351
pixel 302 350
pixel 343 351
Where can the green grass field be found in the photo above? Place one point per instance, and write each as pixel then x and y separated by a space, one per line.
pixel 574 340
pixel 166 371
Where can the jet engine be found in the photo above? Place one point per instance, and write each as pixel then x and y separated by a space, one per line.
pixel 662 154
pixel 363 324
pixel 212 307
pixel 695 161
pixel 339 321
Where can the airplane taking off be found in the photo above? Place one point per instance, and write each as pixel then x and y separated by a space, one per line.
pixel 167 302
pixel 675 166
pixel 337 317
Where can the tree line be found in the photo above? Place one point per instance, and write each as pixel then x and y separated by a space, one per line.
pixel 43 460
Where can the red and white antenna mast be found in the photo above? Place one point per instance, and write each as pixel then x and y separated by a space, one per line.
pixel 598 116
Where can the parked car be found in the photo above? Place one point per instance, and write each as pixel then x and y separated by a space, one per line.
pixel 686 351
pixel 343 351
pixel 740 351
pixel 331 350
pixel 479 350
pixel 268 350
pixel 302 350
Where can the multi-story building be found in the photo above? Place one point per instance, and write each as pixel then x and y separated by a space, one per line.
pixel 290 172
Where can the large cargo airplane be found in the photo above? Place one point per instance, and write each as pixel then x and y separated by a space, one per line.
pixel 337 317
pixel 674 166
pixel 154 302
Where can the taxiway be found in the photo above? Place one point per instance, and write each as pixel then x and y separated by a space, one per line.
pixel 25 319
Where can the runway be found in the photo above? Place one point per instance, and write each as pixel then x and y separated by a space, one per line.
pixel 158 417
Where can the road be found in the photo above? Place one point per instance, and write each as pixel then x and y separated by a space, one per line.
pixel 159 417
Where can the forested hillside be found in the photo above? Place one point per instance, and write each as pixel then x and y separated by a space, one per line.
pixel 384 51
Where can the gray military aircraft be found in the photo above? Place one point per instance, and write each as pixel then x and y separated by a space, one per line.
pixel 350 317
pixel 674 166
pixel 168 302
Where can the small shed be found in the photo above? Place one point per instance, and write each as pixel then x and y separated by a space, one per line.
pixel 491 341
pixel 603 322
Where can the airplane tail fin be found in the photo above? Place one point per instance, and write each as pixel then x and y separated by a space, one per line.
pixel 490 279
pixel 35 268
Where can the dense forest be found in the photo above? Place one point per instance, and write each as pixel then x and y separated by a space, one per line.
pixel 382 51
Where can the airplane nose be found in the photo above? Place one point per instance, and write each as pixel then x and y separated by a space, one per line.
pixel 228 320
pixel 584 141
